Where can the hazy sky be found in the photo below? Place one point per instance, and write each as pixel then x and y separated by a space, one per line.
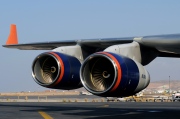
pixel 45 20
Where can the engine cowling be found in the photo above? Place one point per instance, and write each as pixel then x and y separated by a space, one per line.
pixel 111 75
pixel 56 70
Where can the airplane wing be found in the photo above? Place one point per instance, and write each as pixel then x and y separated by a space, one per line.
pixel 166 45
pixel 101 43
pixel 12 42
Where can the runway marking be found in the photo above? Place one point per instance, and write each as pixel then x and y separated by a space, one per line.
pixel 45 115
pixel 104 106
pixel 154 111
pixel 128 113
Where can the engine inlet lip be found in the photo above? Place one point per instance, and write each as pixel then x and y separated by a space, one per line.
pixel 34 76
pixel 84 81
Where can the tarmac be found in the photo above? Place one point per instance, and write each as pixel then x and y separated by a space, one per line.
pixel 53 98
pixel 89 110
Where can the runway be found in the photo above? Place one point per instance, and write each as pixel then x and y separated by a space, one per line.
pixel 90 110
pixel 52 98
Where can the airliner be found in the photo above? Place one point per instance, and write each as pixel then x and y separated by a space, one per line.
pixel 107 67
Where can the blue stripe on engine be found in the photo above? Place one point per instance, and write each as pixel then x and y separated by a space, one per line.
pixel 133 74
pixel 130 74
pixel 123 69
pixel 66 67
pixel 71 71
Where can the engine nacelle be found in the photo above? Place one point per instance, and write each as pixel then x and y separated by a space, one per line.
pixel 111 75
pixel 56 70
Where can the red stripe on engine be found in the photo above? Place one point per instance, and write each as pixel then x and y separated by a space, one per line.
pixel 61 68
pixel 119 72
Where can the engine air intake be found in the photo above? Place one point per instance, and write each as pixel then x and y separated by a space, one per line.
pixel 56 70
pixel 46 69
pixel 98 73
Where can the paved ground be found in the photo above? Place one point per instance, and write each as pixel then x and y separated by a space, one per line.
pixel 55 98
pixel 90 110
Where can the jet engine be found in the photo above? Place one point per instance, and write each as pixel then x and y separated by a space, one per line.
pixel 56 70
pixel 111 75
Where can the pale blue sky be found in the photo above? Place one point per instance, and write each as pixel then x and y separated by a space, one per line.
pixel 45 20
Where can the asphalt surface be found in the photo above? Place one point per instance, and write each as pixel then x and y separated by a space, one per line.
pixel 90 110
pixel 53 98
